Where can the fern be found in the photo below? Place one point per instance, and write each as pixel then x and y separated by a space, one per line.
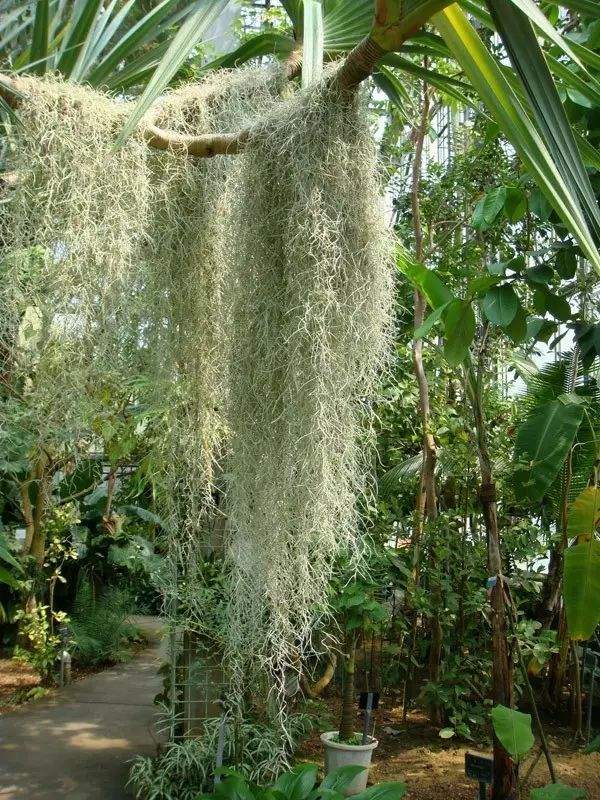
pixel 99 625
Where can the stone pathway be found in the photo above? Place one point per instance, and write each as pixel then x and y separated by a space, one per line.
pixel 77 743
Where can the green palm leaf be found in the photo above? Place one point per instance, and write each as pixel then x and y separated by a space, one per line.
pixel 528 60
pixel 504 105
pixel 187 37
pixel 262 44
pixel 77 36
pixel 39 39
pixel 581 589
pixel 140 33
pixel 542 444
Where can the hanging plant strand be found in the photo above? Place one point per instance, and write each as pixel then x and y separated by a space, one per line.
pixel 311 328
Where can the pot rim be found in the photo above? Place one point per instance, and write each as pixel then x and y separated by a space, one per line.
pixel 356 748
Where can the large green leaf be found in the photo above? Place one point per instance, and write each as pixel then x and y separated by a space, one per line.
pixel 459 321
pixel 500 305
pixel 513 730
pixel 504 105
pixel 584 513
pixel 346 24
pixel 39 38
pixel 542 444
pixel 557 791
pixel 392 790
pixel 581 588
pixel 341 778
pixel 8 558
pixel 426 280
pixel 8 578
pixel 297 783
pixel 187 37
pixel 528 61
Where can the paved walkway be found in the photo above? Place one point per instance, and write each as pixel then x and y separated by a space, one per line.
pixel 76 745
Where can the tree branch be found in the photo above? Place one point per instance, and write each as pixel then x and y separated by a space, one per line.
pixel 389 32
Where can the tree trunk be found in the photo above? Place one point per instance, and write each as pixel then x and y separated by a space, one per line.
pixel 426 505
pixel 505 773
pixel 316 689
pixel 38 544
pixel 348 719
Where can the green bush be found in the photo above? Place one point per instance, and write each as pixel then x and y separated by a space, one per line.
pixel 185 769
pixel 99 625
pixel 300 784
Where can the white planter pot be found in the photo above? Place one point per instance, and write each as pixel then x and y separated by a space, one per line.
pixel 340 754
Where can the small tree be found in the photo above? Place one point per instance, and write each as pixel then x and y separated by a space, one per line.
pixel 358 612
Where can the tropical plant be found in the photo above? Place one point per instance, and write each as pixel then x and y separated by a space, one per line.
pixel 40 642
pixel 358 612
pixel 299 784
pixel 187 768
pixel 109 45
pixel 99 626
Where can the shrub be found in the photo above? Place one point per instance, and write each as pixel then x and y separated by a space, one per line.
pixel 99 625
pixel 186 768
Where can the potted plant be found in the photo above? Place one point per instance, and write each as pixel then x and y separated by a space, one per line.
pixel 358 612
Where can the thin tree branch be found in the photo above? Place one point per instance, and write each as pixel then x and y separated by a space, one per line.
pixel 388 34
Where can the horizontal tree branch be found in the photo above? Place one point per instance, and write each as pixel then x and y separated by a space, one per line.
pixel 388 34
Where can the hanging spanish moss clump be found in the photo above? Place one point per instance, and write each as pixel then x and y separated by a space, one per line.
pixel 69 235
pixel 189 270
pixel 311 328
pixel 254 294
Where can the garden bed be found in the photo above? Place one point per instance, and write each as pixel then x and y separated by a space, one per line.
pixel 434 768
pixel 18 683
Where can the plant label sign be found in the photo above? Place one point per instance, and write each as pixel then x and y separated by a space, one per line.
pixel 479 767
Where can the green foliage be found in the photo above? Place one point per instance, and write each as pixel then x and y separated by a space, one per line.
pixel 557 791
pixel 11 571
pixel 114 46
pixel 500 305
pixel 584 513
pixel 355 605
pixel 582 587
pixel 513 730
pixel 186 768
pixel 37 627
pixel 542 444
pixel 459 320
pixel 593 746
pixel 99 625
pixel 299 784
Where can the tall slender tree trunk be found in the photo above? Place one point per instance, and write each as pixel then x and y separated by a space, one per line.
pixel 505 773
pixel 426 505
pixel 347 722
